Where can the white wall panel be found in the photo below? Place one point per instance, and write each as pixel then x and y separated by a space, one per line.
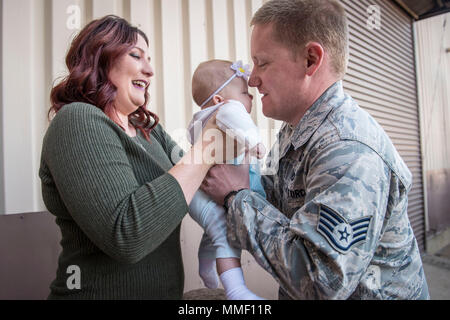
pixel 433 38
pixel 198 36
pixel 146 15
pixel 221 30
pixel 141 15
pixel 267 124
pixel 42 83
pixel 19 169
pixel 196 52
pixel 26 80
pixel 2 151
pixel 172 64
pixel 67 19
pixel 240 28
pixel 101 8
pixel 433 83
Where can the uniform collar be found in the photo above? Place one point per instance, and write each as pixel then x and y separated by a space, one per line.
pixel 316 114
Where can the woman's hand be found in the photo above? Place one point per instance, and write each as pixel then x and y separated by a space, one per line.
pixel 209 150
pixel 192 168
pixel 258 151
pixel 218 146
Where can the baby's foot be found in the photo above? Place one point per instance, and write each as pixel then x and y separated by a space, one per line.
pixel 242 293
pixel 234 285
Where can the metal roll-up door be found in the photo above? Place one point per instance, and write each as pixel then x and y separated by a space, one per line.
pixel 381 78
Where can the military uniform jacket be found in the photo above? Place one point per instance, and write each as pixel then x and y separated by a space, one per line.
pixel 335 223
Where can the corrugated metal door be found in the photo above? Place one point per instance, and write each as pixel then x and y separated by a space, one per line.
pixel 381 78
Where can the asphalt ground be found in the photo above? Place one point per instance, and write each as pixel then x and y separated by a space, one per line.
pixel 437 272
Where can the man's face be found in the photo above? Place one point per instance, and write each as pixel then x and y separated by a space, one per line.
pixel 279 78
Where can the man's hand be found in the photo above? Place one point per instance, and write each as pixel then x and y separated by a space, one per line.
pixel 222 179
pixel 258 151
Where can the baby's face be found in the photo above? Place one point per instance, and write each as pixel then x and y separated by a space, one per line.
pixel 238 90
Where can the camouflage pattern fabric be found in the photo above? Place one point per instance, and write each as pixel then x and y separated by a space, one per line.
pixel 334 224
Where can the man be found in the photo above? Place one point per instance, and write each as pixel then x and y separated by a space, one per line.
pixel 334 224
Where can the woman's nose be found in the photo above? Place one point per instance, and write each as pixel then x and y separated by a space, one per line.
pixel 147 69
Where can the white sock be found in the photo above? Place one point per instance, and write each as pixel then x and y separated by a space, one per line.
pixel 208 273
pixel 234 285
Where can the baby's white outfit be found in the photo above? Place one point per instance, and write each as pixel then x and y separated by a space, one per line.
pixel 233 119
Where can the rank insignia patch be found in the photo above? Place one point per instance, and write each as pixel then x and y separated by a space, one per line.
pixel 342 235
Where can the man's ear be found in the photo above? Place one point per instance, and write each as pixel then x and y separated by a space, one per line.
pixel 217 99
pixel 314 57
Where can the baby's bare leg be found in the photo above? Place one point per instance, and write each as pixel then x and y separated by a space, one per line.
pixel 225 264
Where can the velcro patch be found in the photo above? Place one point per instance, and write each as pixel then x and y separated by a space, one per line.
pixel 342 235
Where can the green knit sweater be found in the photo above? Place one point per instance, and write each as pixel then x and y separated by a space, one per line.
pixel 118 209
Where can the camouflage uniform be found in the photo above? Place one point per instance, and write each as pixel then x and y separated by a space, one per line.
pixel 335 224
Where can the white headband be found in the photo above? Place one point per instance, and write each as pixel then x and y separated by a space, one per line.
pixel 240 71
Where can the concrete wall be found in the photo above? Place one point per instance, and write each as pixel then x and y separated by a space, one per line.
pixel 29 250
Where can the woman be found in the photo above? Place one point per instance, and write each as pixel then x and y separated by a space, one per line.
pixel 107 173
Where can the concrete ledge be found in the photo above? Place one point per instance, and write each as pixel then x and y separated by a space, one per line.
pixel 436 242
pixel 29 251
pixel 436 261
pixel 437 272
pixel 205 294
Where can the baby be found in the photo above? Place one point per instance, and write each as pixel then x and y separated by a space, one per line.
pixel 222 85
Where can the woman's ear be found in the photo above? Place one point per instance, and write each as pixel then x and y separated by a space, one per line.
pixel 218 99
pixel 314 56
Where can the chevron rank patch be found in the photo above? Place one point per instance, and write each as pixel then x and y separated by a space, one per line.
pixel 340 233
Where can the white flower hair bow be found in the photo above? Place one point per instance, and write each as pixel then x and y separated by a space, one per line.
pixel 240 71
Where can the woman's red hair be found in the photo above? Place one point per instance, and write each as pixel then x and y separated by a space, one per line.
pixel 91 55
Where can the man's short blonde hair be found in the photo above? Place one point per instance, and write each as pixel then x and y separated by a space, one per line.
pixel 297 22
pixel 208 77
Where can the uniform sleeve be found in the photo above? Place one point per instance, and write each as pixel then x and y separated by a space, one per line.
pixel 324 249
pixel 267 183
pixel 96 183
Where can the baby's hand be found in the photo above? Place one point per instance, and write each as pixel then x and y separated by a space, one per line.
pixel 258 151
